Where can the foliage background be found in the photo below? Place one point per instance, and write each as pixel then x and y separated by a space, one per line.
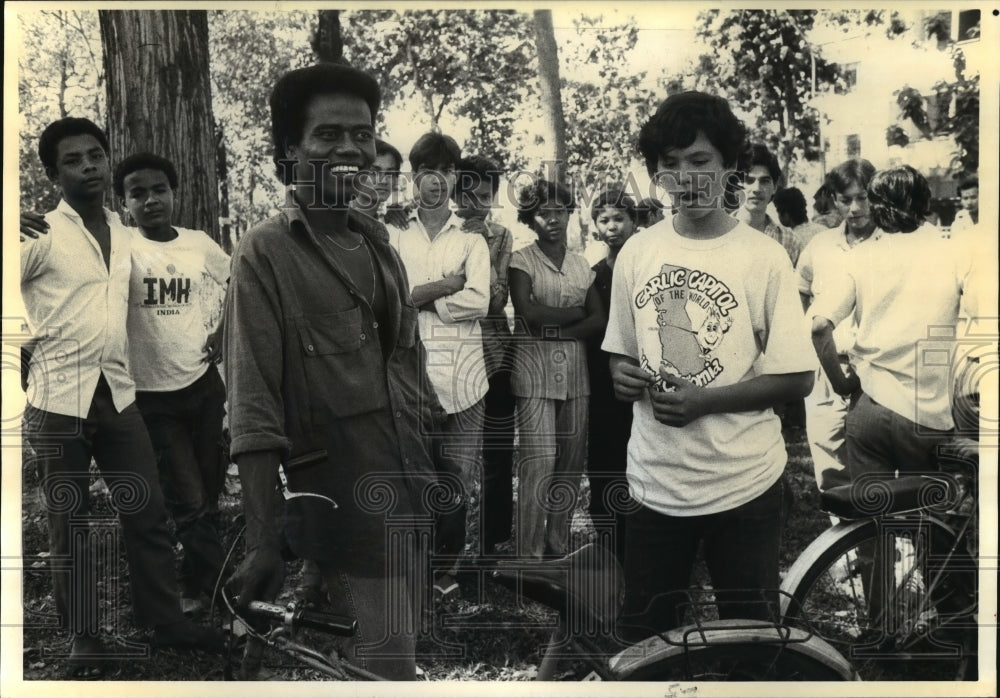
pixel 474 75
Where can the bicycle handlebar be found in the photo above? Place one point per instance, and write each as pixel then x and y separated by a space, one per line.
pixel 303 618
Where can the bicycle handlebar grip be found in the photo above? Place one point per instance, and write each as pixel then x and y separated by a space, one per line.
pixel 299 618
pixel 327 622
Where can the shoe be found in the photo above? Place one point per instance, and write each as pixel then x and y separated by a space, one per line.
pixel 188 635
pixel 88 660
pixel 445 589
pixel 192 607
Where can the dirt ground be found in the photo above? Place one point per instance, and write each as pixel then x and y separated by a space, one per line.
pixel 490 635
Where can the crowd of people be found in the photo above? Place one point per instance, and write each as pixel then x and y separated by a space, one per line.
pixel 374 384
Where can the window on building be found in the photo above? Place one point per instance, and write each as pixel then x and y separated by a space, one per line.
pixel 967 25
pixel 850 74
pixel 852 145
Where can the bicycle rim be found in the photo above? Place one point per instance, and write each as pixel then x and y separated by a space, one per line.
pixel 732 654
pixel 890 598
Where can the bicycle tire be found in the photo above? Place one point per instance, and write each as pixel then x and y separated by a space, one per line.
pixel 926 630
pixel 728 650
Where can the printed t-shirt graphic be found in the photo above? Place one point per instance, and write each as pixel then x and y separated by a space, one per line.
pixel 174 301
pixel 692 318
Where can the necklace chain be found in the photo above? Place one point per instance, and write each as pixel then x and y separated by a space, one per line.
pixel 371 263
pixel 345 249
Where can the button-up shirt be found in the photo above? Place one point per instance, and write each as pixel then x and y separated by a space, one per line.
pixel 451 332
pixel 77 307
pixel 496 325
pixel 552 368
pixel 314 373
pixel 786 237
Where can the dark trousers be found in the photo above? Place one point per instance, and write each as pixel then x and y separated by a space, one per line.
pixel 881 441
pixel 63 447
pixel 740 548
pixel 497 500
pixel 607 459
pixel 185 427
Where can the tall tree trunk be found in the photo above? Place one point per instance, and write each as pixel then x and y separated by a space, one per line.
pixel 552 111
pixel 160 100
pixel 327 42
pixel 222 162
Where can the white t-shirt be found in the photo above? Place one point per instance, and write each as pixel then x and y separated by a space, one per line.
pixel 175 298
pixel 904 290
pixel 716 312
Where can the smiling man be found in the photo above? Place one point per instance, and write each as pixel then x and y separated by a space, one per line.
pixel 324 370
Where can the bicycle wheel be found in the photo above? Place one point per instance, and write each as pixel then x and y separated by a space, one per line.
pixel 891 596
pixel 728 650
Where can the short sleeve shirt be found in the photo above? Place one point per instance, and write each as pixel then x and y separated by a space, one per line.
pixel 715 312
pixel 175 298
pixel 904 290
pixel 552 368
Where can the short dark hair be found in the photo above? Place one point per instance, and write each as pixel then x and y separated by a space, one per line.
pixel 900 199
pixel 646 208
pixel 792 203
pixel 435 150
pixel 473 170
pixel 760 156
pixel 678 120
pixel 385 148
pixel 142 161
pixel 969 183
pixel 614 198
pixel 540 192
pixel 295 89
pixel 823 200
pixel 48 142
pixel 858 171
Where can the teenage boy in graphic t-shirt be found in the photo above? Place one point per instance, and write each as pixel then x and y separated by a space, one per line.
pixel 177 280
pixel 706 335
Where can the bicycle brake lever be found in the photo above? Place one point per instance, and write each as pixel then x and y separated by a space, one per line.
pixel 289 495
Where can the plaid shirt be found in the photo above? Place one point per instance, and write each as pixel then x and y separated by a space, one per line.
pixel 785 236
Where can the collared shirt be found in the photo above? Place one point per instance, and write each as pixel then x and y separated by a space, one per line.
pixel 963 222
pixel 825 257
pixel 903 290
pixel 496 326
pixel 77 307
pixel 451 332
pixel 786 237
pixel 312 373
pixel 551 368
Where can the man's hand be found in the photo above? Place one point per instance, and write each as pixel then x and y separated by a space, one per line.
pixel 475 225
pixel 681 407
pixel 629 381
pixel 33 225
pixel 454 283
pixel 398 216
pixel 213 348
pixel 848 384
pixel 259 577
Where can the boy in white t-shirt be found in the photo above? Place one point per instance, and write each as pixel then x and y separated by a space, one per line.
pixel 175 291
pixel 706 335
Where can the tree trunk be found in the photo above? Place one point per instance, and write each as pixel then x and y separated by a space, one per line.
pixel 160 101
pixel 222 162
pixel 552 111
pixel 327 43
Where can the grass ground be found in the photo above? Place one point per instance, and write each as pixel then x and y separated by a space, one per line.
pixel 490 635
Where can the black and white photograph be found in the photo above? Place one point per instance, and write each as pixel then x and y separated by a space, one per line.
pixel 469 344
